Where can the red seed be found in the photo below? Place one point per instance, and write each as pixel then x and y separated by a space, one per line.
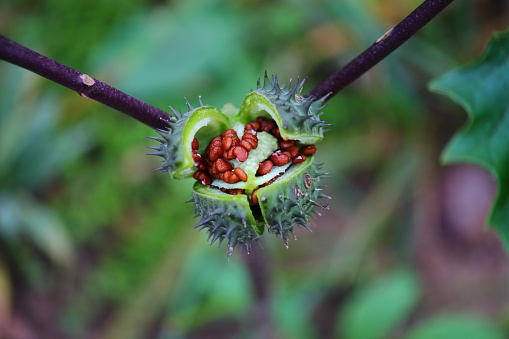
pixel 308 150
pixel 215 152
pixel 246 145
pixel 230 177
pixel 294 150
pixel 240 174
pixel 222 165
pixel 298 159
pixel 265 167
pixel 229 133
pixel 285 144
pixel 228 155
pixel 240 153
pixel 196 156
pixel 255 125
pixel 227 142
pixel 195 144
pixel 254 197
pixel 275 132
pixel 200 165
pixel 280 158
pixel 267 125
pixel 216 141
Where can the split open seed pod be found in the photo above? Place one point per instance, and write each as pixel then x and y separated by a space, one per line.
pixel 254 166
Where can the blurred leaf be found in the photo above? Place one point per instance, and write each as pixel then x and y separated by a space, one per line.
pixel 23 218
pixel 456 326
pixel 375 310
pixel 482 89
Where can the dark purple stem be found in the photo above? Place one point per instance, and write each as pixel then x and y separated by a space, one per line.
pixel 89 87
pixel 386 44
pixel 83 84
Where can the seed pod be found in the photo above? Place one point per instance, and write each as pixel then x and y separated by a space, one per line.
pixel 285 197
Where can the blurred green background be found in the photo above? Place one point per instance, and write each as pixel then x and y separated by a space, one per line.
pixel 94 244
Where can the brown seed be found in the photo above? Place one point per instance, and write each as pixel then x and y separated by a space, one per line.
pixel 229 133
pixel 240 174
pixel 227 142
pixel 200 165
pixel 267 125
pixel 202 177
pixel 275 132
pixel 308 150
pixel 280 158
pixel 298 159
pixel 240 153
pixel 222 165
pixel 294 150
pixel 254 197
pixel 195 144
pixel 285 144
pixel 246 145
pixel 230 177
pixel 265 167
pixel 228 155
pixel 215 152
pixel 253 125
pixel 216 142
pixel 196 156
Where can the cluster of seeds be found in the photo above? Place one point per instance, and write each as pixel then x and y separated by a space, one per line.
pixel 229 146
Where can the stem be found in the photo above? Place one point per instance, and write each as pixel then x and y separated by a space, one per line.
pixel 83 84
pixel 386 44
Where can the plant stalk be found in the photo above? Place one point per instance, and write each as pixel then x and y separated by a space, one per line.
pixel 381 48
pixel 81 83
pixel 91 88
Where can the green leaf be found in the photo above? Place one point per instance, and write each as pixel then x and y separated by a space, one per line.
pixel 482 88
pixel 456 326
pixel 374 311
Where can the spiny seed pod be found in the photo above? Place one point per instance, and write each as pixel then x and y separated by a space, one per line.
pixel 254 166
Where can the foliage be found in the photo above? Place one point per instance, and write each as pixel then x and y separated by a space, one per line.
pixel 139 270
pixel 481 88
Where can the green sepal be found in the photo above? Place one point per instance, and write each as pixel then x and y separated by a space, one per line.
pixel 298 117
pixel 202 123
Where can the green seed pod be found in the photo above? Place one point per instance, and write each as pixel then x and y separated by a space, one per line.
pixel 254 166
